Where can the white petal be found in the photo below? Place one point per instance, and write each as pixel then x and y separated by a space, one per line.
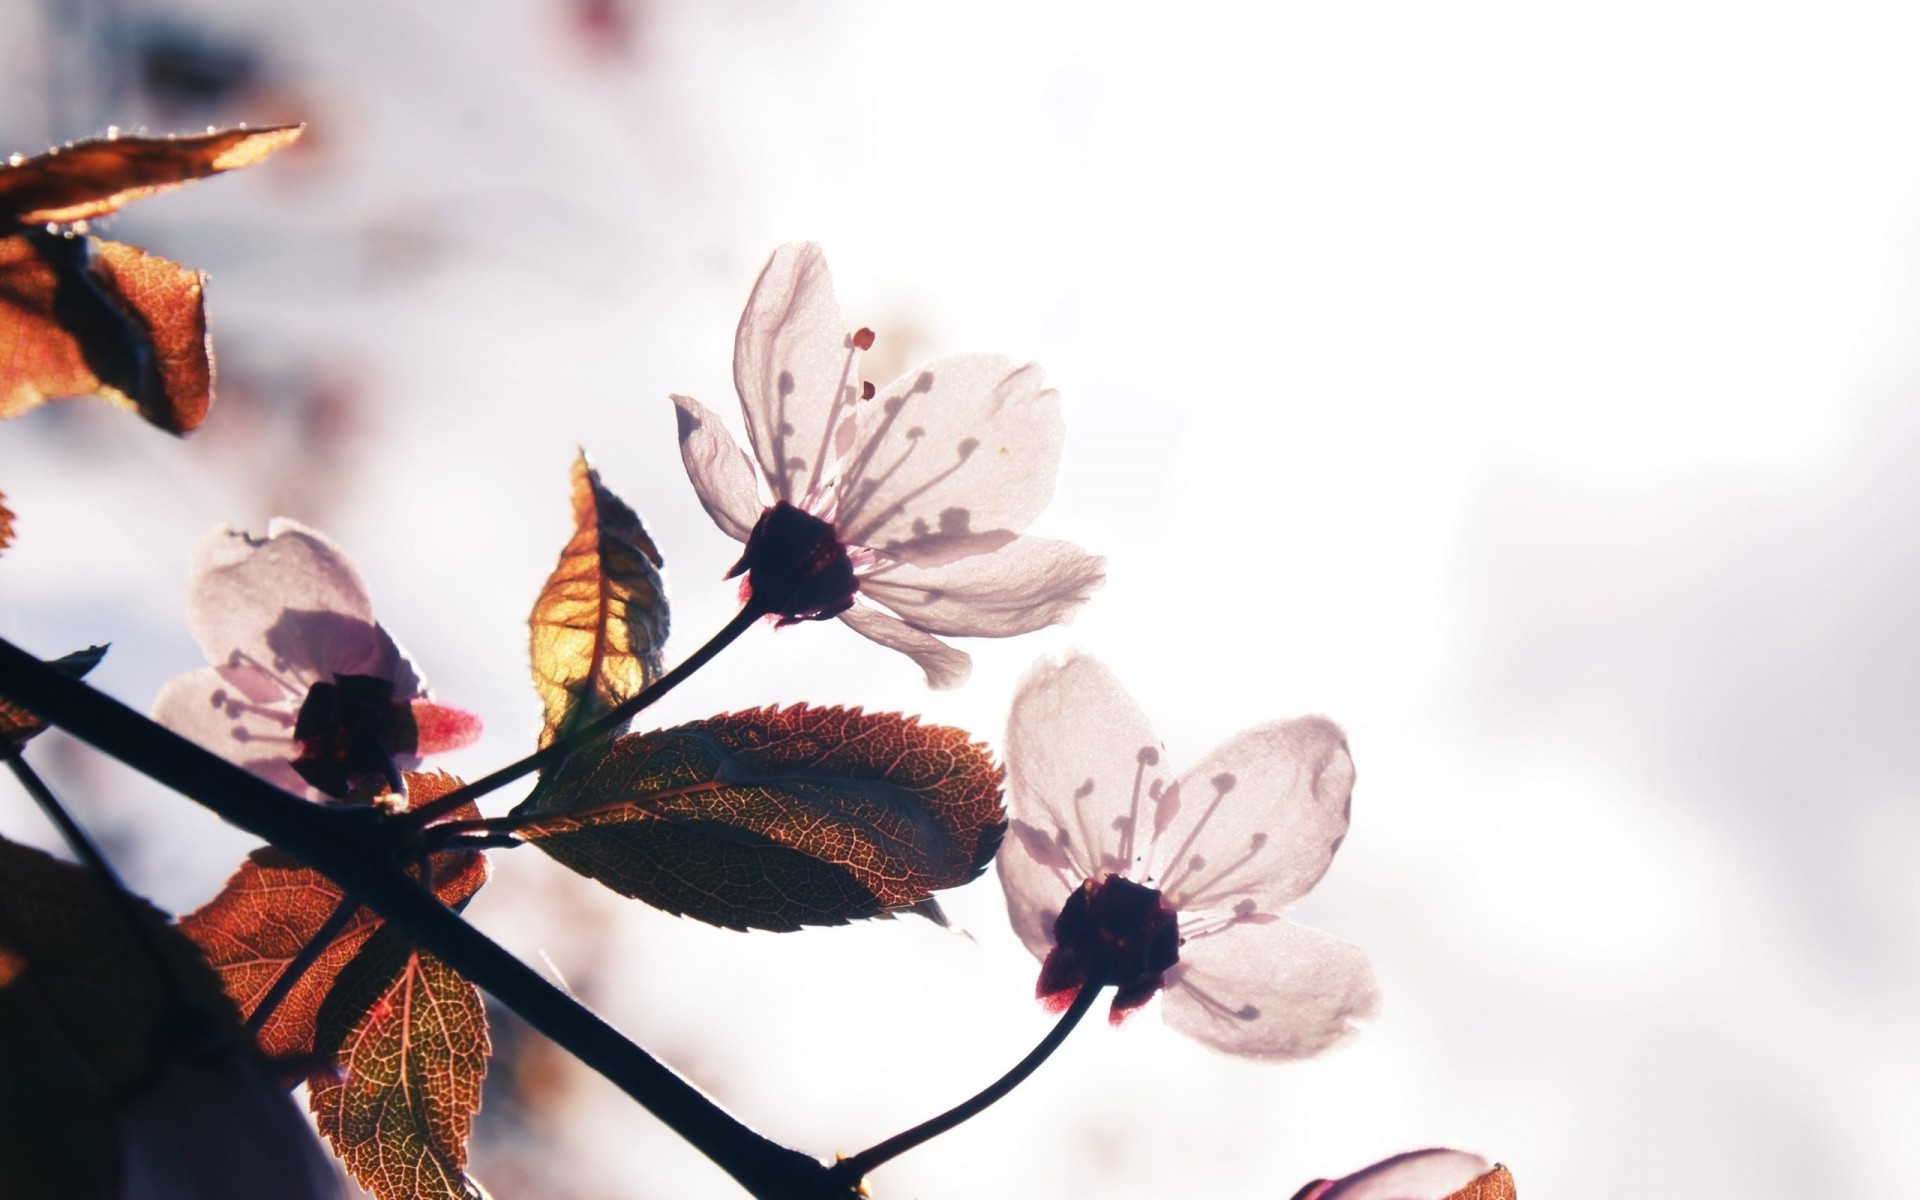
pixel 1274 990
pixel 721 473
pixel 792 364
pixel 952 460
pixel 1027 584
pixel 1083 768
pixel 945 666
pixel 233 712
pixel 1416 1175
pixel 1259 819
pixel 289 604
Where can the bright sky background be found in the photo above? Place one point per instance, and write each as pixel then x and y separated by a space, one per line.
pixel 1528 388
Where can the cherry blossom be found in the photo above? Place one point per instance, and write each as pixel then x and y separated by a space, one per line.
pixel 1415 1175
pixel 900 510
pixel 306 688
pixel 1118 873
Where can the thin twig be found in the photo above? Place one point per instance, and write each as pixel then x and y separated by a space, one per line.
pixel 852 1170
pixel 283 983
pixel 608 722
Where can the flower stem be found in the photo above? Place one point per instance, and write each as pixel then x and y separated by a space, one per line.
pixel 608 722
pixel 851 1170
pixel 283 983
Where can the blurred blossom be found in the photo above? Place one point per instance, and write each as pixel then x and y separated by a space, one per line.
pixel 1415 1175
pixel 901 515
pixel 1117 874
pixel 306 688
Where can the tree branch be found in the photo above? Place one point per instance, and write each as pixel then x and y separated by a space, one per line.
pixel 350 847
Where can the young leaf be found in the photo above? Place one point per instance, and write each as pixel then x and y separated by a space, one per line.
pixel 410 1037
pixel 6 523
pixel 126 1071
pixel 273 906
pixel 600 621
pixel 777 818
pixel 17 724
pixel 92 178
pixel 79 316
pixel 1496 1184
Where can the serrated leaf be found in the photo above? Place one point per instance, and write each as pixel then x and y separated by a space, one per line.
pixel 1496 1184
pixel 125 1065
pixel 17 724
pixel 80 316
pixel 273 906
pixel 410 1038
pixel 777 818
pixel 601 620
pixel 92 178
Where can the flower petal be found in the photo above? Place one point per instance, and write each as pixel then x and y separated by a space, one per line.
pixel 1274 990
pixel 221 708
pixel 1415 1175
pixel 1259 818
pixel 721 473
pixel 1027 584
pixel 792 364
pixel 1038 874
pixel 1083 770
pixel 289 604
pixel 954 459
pixel 945 666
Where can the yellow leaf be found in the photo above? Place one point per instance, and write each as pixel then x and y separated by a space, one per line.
pixel 600 621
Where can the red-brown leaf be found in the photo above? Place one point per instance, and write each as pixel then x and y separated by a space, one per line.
pixel 17 724
pixel 79 316
pixel 101 1019
pixel 273 906
pixel 6 523
pixel 777 818
pixel 410 1038
pixel 93 178
pixel 601 619
pixel 1496 1184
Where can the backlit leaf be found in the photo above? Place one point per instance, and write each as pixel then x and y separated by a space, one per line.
pixel 6 523
pixel 601 619
pixel 93 178
pixel 777 818
pixel 125 1068
pixel 410 1038
pixel 1496 1184
pixel 18 724
pixel 80 316
pixel 273 906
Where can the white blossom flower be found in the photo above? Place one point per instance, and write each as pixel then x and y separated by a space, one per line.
pixel 901 511
pixel 1415 1175
pixel 1118 873
pixel 305 688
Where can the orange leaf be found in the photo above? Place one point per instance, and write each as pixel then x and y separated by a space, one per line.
pixel 602 617
pixel 79 316
pixel 1496 1184
pixel 93 178
pixel 17 724
pixel 6 523
pixel 273 906
pixel 777 818
pixel 410 1037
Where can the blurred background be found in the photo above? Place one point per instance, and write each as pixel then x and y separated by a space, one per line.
pixel 1530 389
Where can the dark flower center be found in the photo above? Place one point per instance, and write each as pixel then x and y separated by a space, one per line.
pixel 796 567
pixel 348 731
pixel 1111 931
